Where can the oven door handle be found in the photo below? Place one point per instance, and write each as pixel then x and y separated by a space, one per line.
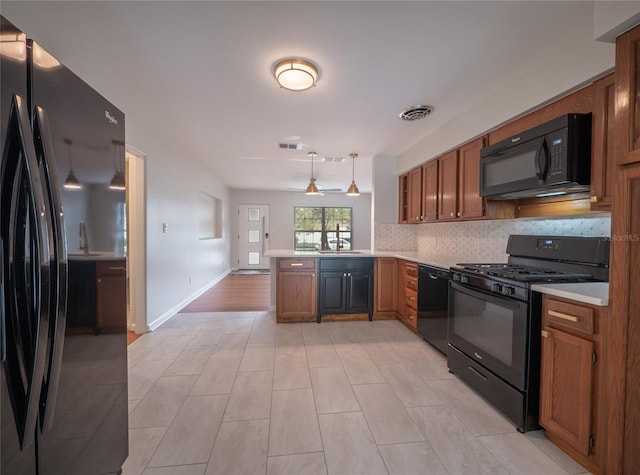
pixel 477 373
pixel 490 297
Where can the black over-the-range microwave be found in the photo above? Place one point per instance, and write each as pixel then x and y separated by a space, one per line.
pixel 551 159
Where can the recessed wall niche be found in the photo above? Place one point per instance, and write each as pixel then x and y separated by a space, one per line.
pixel 209 216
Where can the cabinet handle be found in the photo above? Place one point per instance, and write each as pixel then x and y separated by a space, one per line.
pixel 564 316
pixel 116 268
pixel 594 199
pixel 412 298
pixel 296 264
pixel 545 334
pixel 412 282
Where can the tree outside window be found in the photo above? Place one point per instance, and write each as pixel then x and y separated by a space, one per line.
pixel 315 228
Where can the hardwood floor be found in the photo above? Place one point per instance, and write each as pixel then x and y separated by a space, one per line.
pixel 235 293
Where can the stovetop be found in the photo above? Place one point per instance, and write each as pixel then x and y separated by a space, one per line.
pixel 520 273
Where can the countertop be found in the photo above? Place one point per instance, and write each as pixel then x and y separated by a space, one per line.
pixel 406 255
pixel 95 256
pixel 595 293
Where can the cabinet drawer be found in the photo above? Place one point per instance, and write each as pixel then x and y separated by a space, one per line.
pixel 409 317
pixel 345 264
pixel 411 282
pixel 291 264
pixel 569 316
pixel 118 267
pixel 411 269
pixel 411 299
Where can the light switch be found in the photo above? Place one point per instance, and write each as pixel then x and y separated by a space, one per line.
pixel 165 228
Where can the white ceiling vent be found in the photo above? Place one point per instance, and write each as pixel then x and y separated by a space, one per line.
pixel 291 146
pixel 332 159
pixel 416 112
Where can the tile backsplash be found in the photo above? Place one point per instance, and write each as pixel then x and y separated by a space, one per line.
pixel 479 241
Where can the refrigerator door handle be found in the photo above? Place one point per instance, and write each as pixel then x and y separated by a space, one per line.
pixel 26 271
pixel 58 296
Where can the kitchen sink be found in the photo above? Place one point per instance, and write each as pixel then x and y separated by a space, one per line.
pixel 341 252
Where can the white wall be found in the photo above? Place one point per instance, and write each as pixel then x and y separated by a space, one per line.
pixel 281 205
pixel 179 265
pixel 611 19
pixel 550 73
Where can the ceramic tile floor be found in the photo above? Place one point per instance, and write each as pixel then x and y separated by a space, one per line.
pixel 234 393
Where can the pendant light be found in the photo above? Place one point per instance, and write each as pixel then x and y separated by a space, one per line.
pixel 312 189
pixel 71 183
pixel 353 189
pixel 117 182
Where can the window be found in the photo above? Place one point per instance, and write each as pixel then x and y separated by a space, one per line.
pixel 314 228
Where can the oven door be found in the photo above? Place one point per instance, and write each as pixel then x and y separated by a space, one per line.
pixel 490 329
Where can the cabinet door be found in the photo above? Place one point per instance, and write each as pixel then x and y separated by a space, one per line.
pixel 628 88
pixel 430 191
pixel 111 297
pixel 333 292
pixel 448 185
pixel 470 203
pixel 603 143
pixel 359 292
pixel 415 196
pixel 296 296
pixel 566 387
pixel 403 198
pixel 385 284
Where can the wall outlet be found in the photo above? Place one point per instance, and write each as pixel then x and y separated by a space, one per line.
pixel 189 280
pixel 165 228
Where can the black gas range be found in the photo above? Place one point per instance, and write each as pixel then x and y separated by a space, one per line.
pixel 495 318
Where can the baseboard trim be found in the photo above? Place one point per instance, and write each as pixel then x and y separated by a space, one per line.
pixel 174 310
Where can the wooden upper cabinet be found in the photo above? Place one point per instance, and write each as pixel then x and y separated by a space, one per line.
pixel 448 185
pixel 470 203
pixel 403 198
pixel 579 102
pixel 414 214
pixel 430 191
pixel 603 144
pixel 628 87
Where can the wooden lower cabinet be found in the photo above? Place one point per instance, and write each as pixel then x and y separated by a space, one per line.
pixel 385 282
pixel 296 290
pixel 111 296
pixel 407 294
pixel 570 380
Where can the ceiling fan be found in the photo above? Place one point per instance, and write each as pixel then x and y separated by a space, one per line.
pixel 321 191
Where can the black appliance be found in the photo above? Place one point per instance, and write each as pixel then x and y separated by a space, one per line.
pixel 433 285
pixel 495 318
pixel 551 159
pixel 63 389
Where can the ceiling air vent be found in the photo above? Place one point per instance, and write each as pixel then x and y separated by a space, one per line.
pixel 291 146
pixel 416 112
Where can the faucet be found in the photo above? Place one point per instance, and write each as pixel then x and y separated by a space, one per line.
pixel 338 246
pixel 84 242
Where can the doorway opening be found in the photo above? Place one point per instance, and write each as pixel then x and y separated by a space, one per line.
pixel 136 243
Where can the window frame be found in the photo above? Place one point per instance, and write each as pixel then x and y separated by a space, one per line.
pixel 326 233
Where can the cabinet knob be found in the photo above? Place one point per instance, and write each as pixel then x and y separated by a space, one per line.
pixel 594 199
pixel 459 214
pixel 421 217
pixel 545 334
pixel 451 214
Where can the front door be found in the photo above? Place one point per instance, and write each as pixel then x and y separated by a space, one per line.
pixel 253 236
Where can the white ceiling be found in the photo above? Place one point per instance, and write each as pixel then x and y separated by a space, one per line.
pixel 199 74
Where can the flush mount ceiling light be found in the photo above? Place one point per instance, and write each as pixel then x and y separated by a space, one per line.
pixel 295 74
pixel 312 189
pixel 71 183
pixel 416 112
pixel 353 189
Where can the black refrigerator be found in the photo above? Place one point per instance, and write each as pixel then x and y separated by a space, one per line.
pixel 63 389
